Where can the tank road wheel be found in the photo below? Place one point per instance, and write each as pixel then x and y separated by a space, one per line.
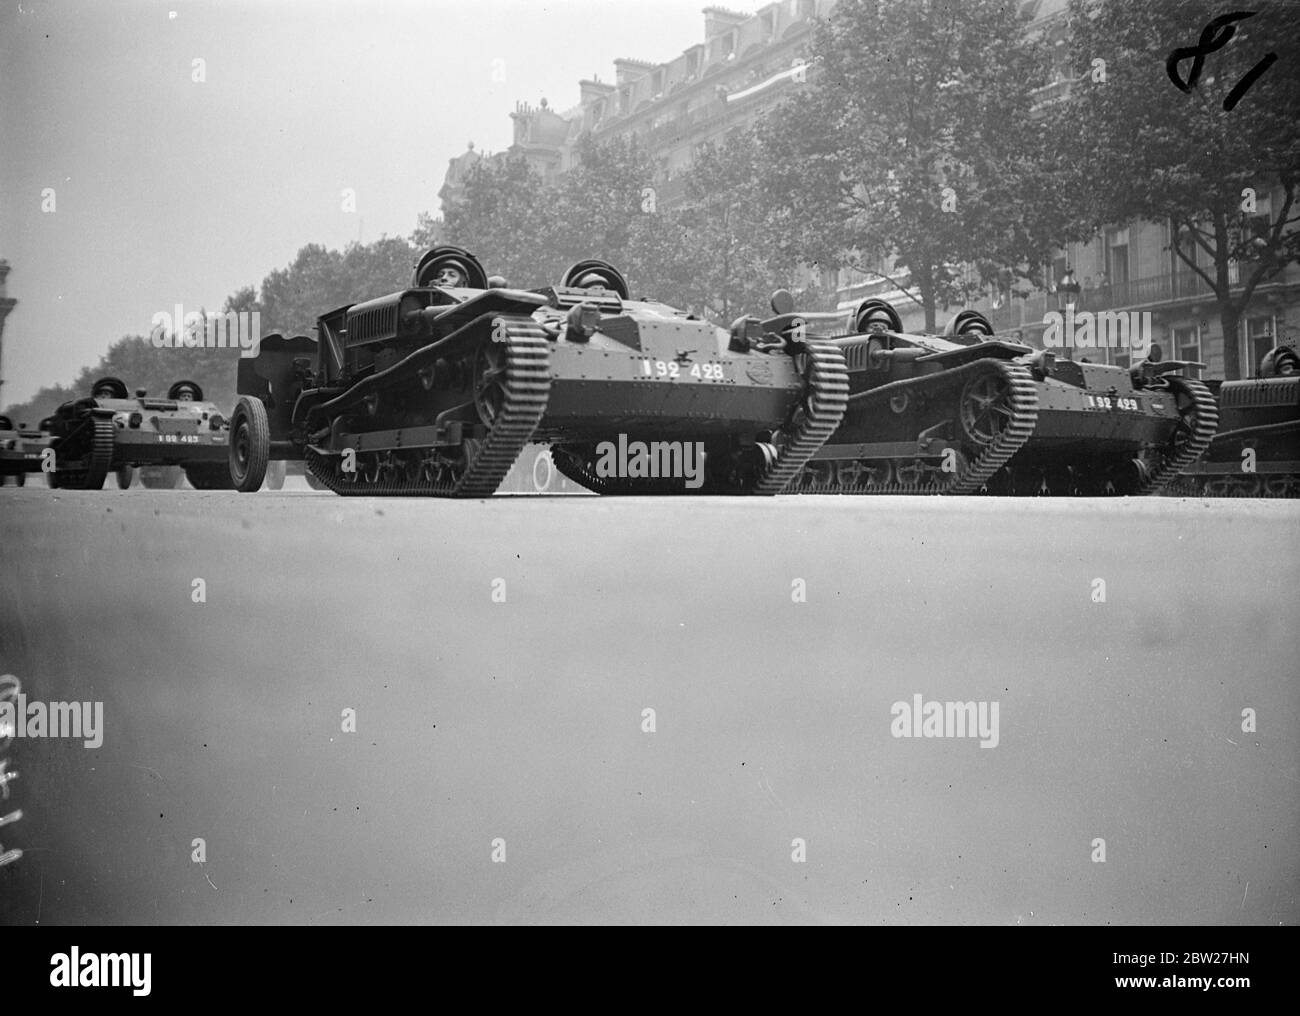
pixel 250 444
pixel 850 473
pixel 985 408
pixel 124 474
pixel 490 375
pixel 880 474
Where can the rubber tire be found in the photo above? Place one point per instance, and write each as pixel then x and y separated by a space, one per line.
pixel 20 479
pixel 312 481
pixel 249 425
pixel 125 475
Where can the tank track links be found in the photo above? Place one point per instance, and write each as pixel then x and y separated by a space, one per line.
pixel 612 486
pixel 816 419
pixel 1020 427
pixel 90 475
pixel 1253 485
pixel 528 385
pixel 1205 421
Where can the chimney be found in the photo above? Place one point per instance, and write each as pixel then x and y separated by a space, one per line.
pixel 589 90
pixel 627 70
pixel 718 20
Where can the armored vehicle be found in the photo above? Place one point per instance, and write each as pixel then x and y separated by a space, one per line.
pixel 969 413
pixel 111 431
pixel 1256 452
pixel 20 450
pixel 436 389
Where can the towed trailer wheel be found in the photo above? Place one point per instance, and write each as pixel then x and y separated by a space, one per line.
pixel 250 444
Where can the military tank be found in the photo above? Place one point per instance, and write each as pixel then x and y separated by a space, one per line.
pixel 968 412
pixel 114 432
pixel 436 389
pixel 20 450
pixel 1256 452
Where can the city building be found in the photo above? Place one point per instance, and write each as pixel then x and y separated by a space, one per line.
pixel 1127 268
pixel 746 64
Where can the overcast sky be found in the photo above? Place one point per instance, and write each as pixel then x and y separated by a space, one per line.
pixel 168 190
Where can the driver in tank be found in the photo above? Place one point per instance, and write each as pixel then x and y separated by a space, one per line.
pixel 448 273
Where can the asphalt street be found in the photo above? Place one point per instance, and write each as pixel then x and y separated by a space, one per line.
pixel 500 656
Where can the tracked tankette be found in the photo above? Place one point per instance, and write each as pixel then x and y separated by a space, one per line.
pixel 1256 452
pixel 436 389
pixel 969 413
pixel 20 450
pixel 113 432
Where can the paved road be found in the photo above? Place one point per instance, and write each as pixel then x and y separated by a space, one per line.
pixel 522 721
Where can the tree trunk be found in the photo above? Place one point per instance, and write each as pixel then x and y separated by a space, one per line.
pixel 1230 319
pixel 1229 313
pixel 925 286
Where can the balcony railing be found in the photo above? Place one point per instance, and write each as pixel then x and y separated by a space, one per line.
pixel 1149 292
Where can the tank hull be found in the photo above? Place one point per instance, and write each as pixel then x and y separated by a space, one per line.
pixel 1256 452
pixel 435 391
pixel 933 416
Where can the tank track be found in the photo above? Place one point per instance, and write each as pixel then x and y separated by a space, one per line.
pixel 1024 416
pixel 814 421
pixel 825 401
pixel 1205 421
pixel 96 463
pixel 528 384
pixel 1260 485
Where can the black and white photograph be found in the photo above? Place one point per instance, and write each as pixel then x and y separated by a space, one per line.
pixel 629 463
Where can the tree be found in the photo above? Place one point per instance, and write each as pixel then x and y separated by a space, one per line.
pixel 1142 148
pixel 319 280
pixel 915 146
pixel 502 217
pixel 730 243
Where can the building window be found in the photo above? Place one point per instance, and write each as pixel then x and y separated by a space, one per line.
pixel 1117 257
pixel 1260 339
pixel 1187 344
